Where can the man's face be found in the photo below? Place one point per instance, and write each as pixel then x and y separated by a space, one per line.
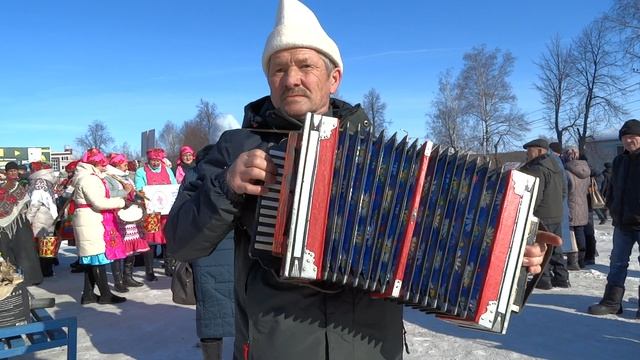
pixel 631 143
pixel 533 152
pixel 155 163
pixel 12 174
pixel 300 83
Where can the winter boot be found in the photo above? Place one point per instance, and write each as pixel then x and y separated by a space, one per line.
pixel 106 297
pixel 88 296
pixel 46 265
pixel 581 256
pixel 560 283
pixel 544 283
pixel 118 281
pixel 611 302
pixel 76 267
pixel 148 266
pixel 128 273
pixel 211 348
pixel 572 261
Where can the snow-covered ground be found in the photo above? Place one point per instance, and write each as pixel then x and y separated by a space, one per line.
pixel 553 325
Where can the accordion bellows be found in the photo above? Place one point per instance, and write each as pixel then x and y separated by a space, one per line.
pixel 423 225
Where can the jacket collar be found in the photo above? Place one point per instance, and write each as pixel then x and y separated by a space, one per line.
pixel 261 114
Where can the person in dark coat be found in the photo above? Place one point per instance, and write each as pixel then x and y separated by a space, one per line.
pixel 548 207
pixel 555 152
pixel 276 319
pixel 623 201
pixel 591 250
pixel 213 280
pixel 604 187
pixel 213 283
pixel 16 235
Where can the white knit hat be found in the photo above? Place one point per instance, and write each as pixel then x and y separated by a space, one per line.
pixel 297 27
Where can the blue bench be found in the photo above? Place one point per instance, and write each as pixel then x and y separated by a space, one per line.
pixel 42 333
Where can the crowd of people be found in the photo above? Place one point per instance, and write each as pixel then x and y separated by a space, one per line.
pixel 210 222
pixel 565 206
pixel 82 208
pixel 85 208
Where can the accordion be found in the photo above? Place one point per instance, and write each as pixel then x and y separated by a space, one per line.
pixel 425 226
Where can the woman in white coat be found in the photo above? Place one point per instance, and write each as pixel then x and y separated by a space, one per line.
pixel 91 232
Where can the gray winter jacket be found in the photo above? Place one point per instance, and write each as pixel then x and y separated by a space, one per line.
pixel 579 181
pixel 274 319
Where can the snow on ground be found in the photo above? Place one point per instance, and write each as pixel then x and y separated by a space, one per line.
pixel 553 325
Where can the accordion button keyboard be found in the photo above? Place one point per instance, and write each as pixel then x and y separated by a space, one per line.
pixel 269 205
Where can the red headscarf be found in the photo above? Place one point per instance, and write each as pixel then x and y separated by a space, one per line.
pixel 132 165
pixel 155 154
pixel 116 159
pixel 94 157
pixel 39 165
pixel 184 150
pixel 71 167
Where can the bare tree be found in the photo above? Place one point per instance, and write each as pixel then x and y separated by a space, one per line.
pixel 599 83
pixel 207 116
pixel 126 150
pixel 556 86
pixel 171 139
pixel 195 134
pixel 374 107
pixel 489 99
pixel 446 121
pixel 624 18
pixel 97 136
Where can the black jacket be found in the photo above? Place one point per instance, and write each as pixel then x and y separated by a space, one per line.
pixel 548 207
pixel 606 179
pixel 623 194
pixel 276 320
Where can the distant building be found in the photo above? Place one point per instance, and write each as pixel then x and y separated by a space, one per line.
pixel 602 149
pixel 60 159
pixel 509 159
pixel 24 155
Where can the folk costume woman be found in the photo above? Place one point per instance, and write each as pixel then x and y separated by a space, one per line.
pixel 155 172
pixel 67 206
pixel 94 227
pixel 132 233
pixel 16 234
pixel 43 211
pixel 184 163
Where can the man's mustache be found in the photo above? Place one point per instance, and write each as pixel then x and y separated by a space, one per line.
pixel 296 92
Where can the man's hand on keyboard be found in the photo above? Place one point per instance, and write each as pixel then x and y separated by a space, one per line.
pixel 251 173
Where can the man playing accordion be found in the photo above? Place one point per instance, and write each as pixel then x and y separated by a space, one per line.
pixel 277 320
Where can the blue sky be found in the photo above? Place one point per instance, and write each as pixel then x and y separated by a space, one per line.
pixel 136 64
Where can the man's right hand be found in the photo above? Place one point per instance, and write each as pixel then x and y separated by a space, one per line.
pixel 251 173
